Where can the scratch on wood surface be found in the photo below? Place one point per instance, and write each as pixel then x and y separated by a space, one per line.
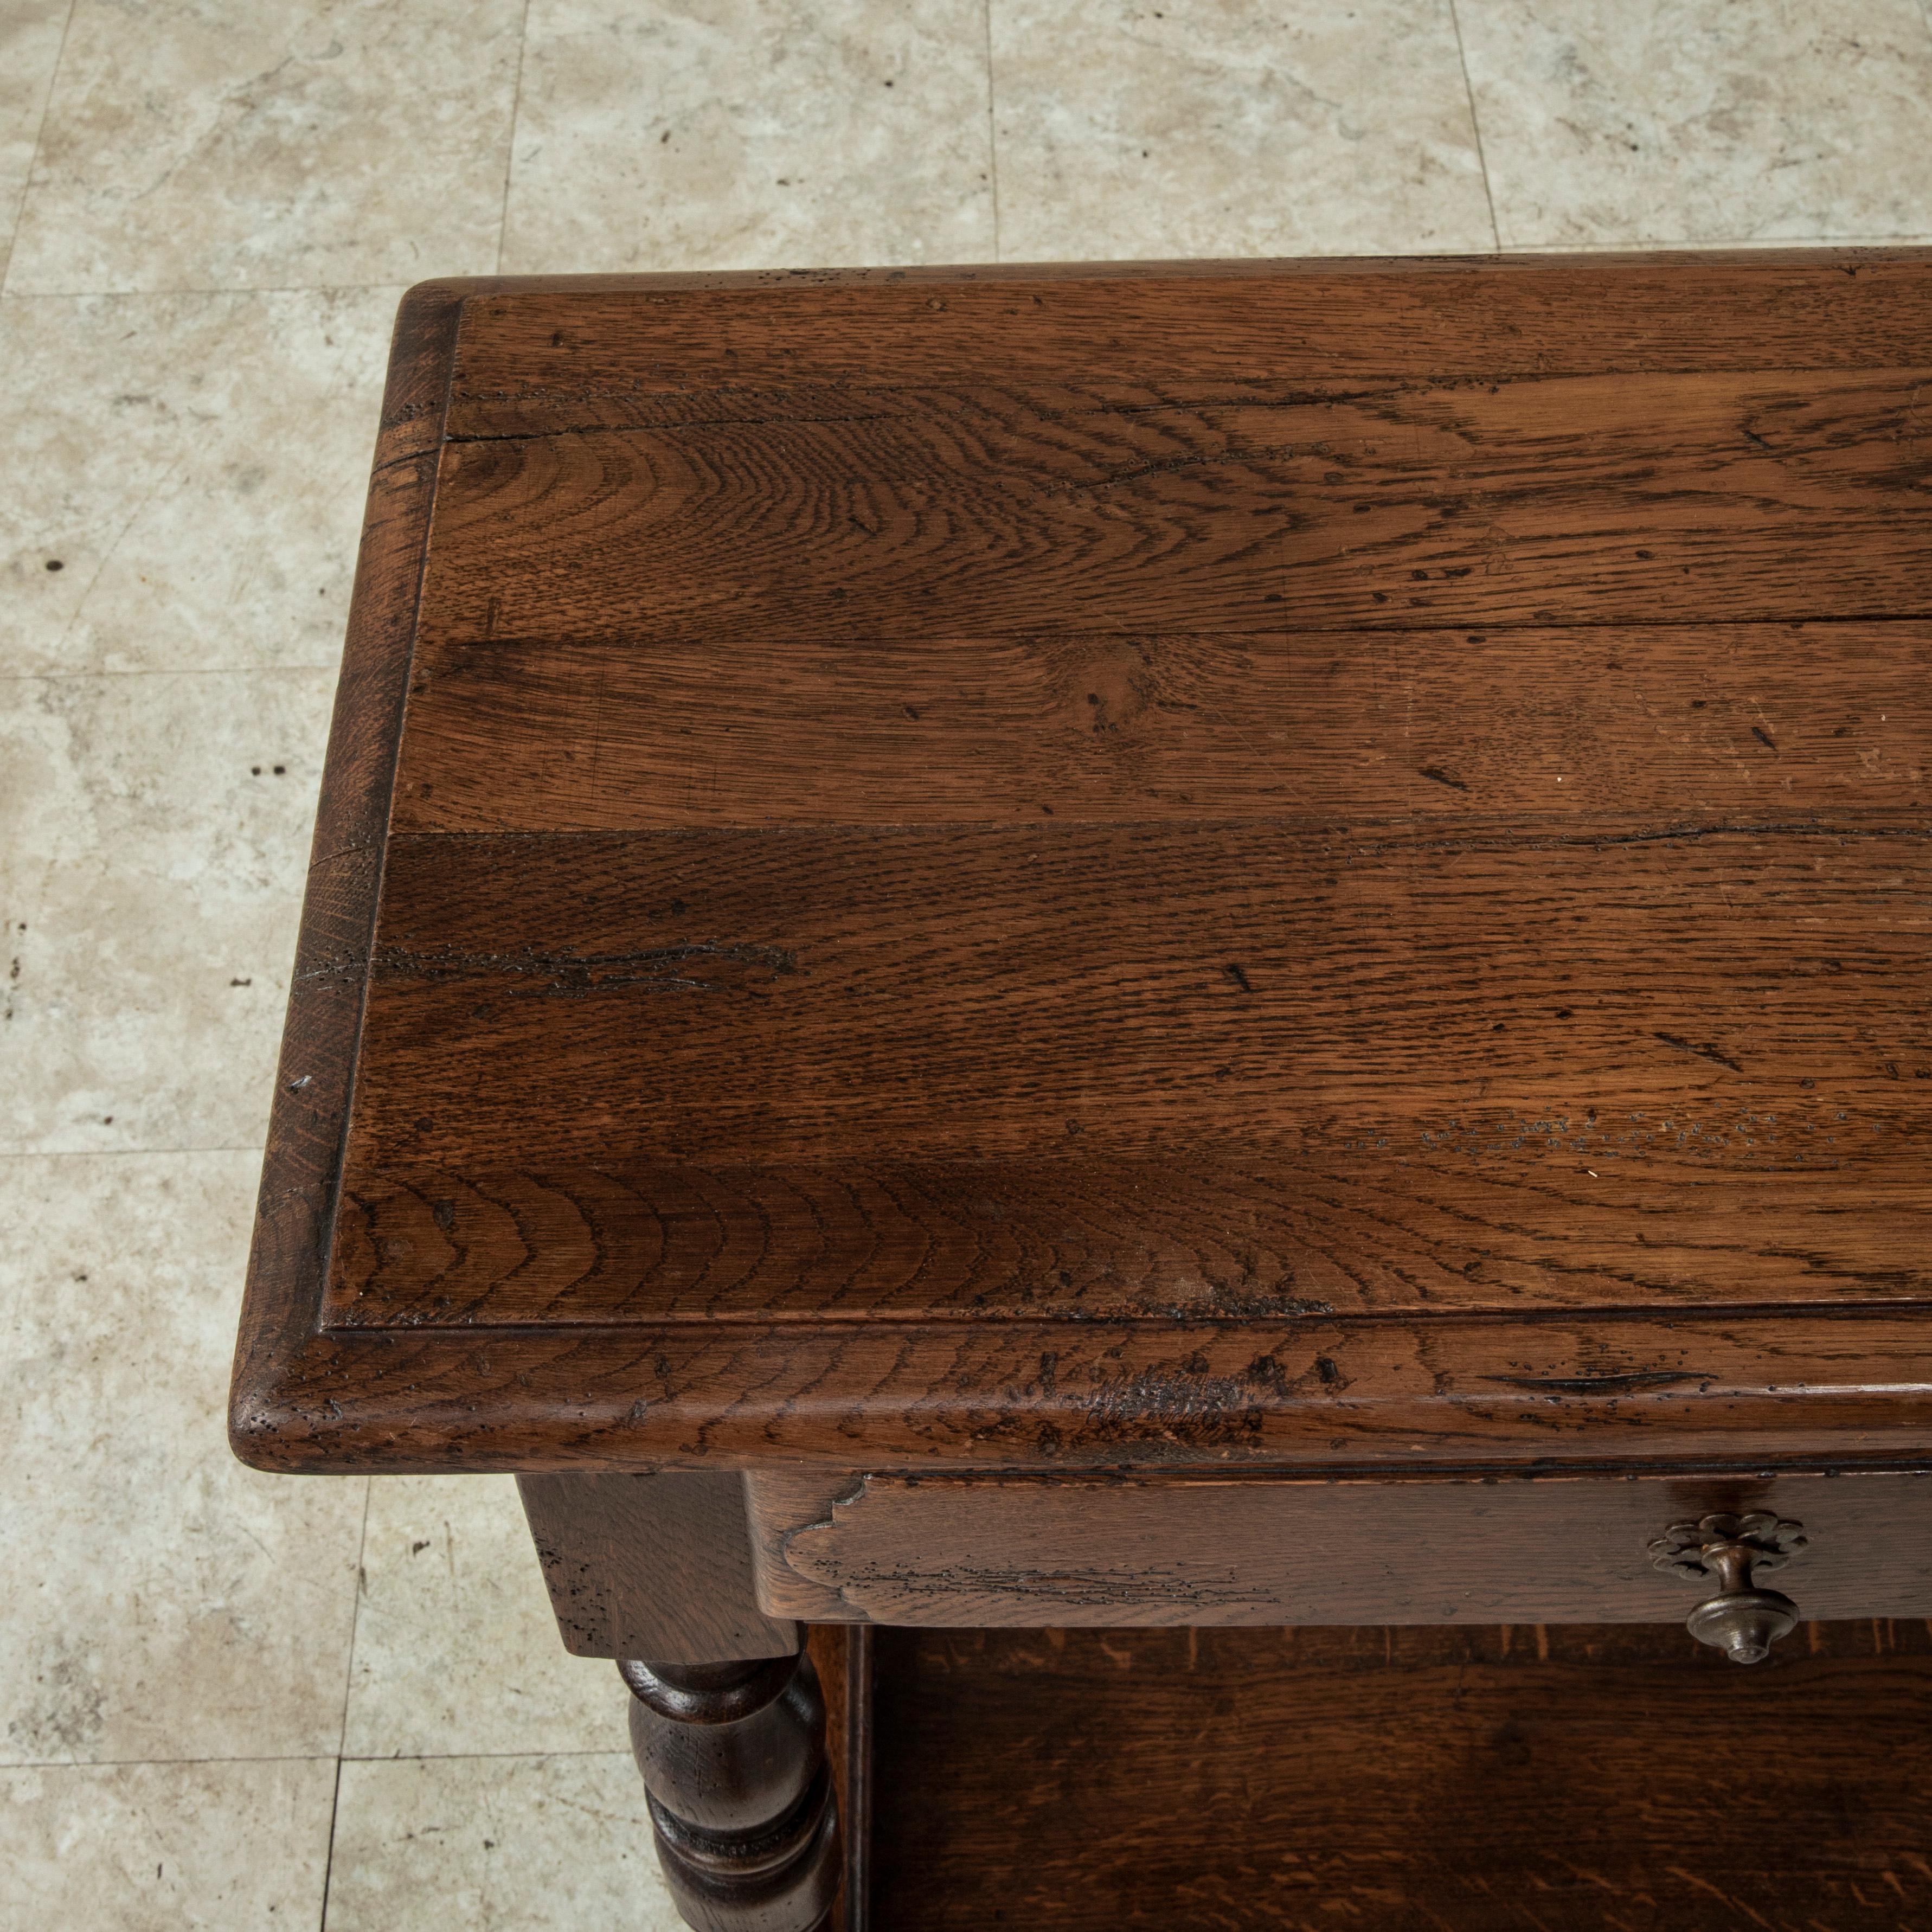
pixel 1707 1050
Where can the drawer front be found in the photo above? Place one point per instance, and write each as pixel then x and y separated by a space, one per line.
pixel 1020 1551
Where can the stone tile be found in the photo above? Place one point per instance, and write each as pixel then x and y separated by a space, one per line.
pixel 1637 122
pixel 456 1650
pixel 30 41
pixel 159 1848
pixel 160 1601
pixel 495 1844
pixel 156 833
pixel 196 465
pixel 193 144
pixel 1130 131
pixel 750 133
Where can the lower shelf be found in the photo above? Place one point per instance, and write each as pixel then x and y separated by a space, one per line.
pixel 1568 1778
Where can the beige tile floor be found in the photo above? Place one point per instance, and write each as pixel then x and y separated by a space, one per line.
pixel 232 1701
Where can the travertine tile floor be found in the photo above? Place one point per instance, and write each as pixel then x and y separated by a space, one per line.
pixel 232 1701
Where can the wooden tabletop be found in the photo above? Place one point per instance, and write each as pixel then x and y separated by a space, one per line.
pixel 1308 864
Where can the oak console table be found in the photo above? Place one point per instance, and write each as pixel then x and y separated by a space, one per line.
pixel 1160 1038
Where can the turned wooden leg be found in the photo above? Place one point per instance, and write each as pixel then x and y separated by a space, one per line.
pixel 726 1719
pixel 740 1794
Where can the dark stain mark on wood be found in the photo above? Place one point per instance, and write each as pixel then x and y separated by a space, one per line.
pixel 1708 1051
pixel 703 965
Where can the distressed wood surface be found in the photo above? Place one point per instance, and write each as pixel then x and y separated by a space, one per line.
pixel 1669 725
pixel 1523 1779
pixel 302 1168
pixel 1206 1070
pixel 920 512
pixel 963 856
pixel 1773 1386
pixel 656 1566
pixel 528 361
pixel 1132 1552
pixel 1122 986
pixel 1488 1227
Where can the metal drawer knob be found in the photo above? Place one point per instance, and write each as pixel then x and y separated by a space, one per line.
pixel 1740 1620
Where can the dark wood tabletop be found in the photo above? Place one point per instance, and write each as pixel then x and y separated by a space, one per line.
pixel 1291 864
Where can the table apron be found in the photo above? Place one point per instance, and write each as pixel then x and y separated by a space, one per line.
pixel 1180 1549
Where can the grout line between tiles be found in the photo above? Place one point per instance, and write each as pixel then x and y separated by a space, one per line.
pixel 992 127
pixel 97 1154
pixel 175 670
pixel 510 145
pixel 485 1757
pixel 164 1763
pixel 355 1621
pixel 328 1856
pixel 39 128
pixel 237 289
pixel 348 1687
pixel 289 1757
pixel 1476 126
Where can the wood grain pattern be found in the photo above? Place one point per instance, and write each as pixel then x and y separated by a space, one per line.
pixel 651 1566
pixel 965 858
pixel 1513 1780
pixel 1135 983
pixel 1769 1387
pixel 1608 500
pixel 540 354
pixel 1136 1552
pixel 302 1169
pixel 1488 1228
pixel 854 1719
pixel 1331 1073
pixel 844 1681
pixel 1658 726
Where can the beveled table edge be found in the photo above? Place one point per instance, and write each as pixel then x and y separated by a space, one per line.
pixel 307 1398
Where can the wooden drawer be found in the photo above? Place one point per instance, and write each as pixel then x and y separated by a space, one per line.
pixel 1236 1550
